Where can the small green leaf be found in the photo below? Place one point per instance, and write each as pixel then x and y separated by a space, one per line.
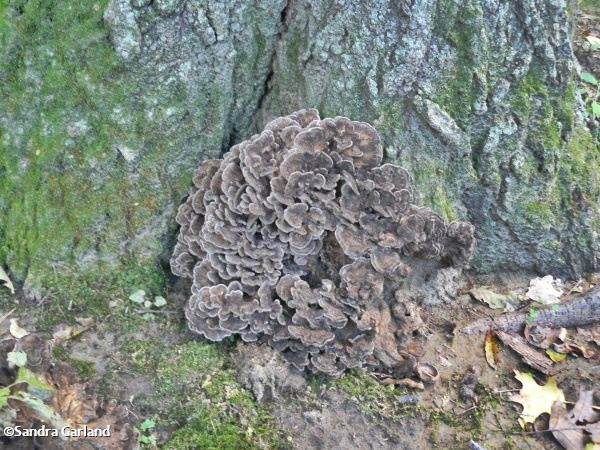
pixel 4 393
pixel 532 315
pixel 18 359
pixel 589 78
pixel 159 301
pixel 138 296
pixel 34 384
pixel 596 109
pixel 147 440
pixel 147 424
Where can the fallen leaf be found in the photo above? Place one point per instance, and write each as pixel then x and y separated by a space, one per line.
pixel 65 332
pixel 594 42
pixel 41 410
pixel 570 347
pixel 16 359
pixel 545 290
pixel 542 337
pixel 555 356
pixel 16 330
pixel 85 321
pixel 5 281
pixel 491 349
pixel 36 385
pixel 564 431
pixel 138 296
pixel 583 411
pixel 534 398
pixel 590 334
pixel 159 301
pixel 412 384
pixel 495 300
pixel 427 373
pixel 77 404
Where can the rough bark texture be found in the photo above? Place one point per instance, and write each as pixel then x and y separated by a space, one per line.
pixel 576 313
pixel 107 107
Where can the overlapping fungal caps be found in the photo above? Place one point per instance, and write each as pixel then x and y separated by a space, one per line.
pixel 300 237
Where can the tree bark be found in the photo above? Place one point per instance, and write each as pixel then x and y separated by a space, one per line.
pixel 582 311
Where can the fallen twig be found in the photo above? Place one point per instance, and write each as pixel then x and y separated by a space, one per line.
pixel 4 317
pixel 582 311
pixel 532 357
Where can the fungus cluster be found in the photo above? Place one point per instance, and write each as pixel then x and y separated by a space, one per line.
pixel 300 237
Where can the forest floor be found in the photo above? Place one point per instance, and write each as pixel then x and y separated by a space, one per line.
pixel 140 370
pixel 177 391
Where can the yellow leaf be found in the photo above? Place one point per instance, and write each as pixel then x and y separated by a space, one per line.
pixel 491 349
pixel 536 399
pixel 555 356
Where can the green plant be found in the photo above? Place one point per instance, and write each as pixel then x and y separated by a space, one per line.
pixel 145 435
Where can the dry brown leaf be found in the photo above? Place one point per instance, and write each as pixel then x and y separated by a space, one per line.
pixel 77 407
pixel 570 436
pixel 65 332
pixel 412 384
pixel 427 373
pixel 583 411
pixel 542 337
pixel 571 347
pixel 589 334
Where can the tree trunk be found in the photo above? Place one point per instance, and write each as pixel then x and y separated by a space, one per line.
pixel 106 109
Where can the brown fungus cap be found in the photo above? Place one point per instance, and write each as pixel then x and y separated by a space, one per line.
pixel 301 238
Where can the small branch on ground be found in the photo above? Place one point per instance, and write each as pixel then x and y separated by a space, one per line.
pixel 575 313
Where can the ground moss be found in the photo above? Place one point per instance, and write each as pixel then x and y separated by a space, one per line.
pixel 71 293
pixel 373 398
pixel 85 369
pixel 197 395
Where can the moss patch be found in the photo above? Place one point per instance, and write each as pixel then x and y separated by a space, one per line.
pixel 88 294
pixel 461 86
pixel 85 369
pixel 371 397
pixel 196 393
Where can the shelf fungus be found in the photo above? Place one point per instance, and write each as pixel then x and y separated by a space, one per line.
pixel 302 238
